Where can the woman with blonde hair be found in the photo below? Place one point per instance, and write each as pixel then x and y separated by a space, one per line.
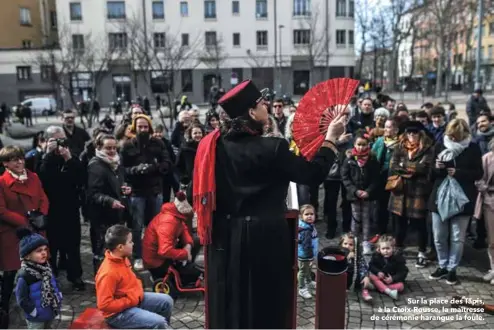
pixel 460 158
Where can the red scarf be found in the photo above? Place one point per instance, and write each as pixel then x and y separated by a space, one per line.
pixel 204 195
pixel 361 157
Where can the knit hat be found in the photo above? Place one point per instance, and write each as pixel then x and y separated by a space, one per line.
pixel 29 241
pixel 150 122
pixel 182 204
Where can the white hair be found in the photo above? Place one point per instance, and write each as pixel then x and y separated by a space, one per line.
pixel 288 127
pixel 52 131
pixel 382 112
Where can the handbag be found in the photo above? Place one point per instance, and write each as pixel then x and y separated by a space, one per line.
pixel 394 184
pixel 36 219
pixel 334 171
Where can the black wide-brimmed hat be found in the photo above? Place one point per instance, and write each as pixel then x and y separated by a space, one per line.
pixel 241 98
pixel 414 126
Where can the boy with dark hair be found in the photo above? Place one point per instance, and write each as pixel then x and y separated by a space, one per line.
pixel 119 293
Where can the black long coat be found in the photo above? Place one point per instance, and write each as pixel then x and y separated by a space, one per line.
pixel 468 167
pixel 103 188
pixel 249 262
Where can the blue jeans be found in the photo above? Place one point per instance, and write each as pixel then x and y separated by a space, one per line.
pixel 139 214
pixel 153 313
pixel 455 230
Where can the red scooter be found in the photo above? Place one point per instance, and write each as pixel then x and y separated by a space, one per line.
pixel 172 284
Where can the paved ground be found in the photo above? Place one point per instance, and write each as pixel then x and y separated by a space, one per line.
pixel 189 310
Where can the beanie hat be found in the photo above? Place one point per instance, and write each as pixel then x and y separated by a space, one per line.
pixel 150 122
pixel 29 241
pixel 182 204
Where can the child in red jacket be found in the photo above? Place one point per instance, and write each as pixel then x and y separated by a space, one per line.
pixel 168 240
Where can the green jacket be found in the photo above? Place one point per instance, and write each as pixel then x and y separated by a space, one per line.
pixel 379 148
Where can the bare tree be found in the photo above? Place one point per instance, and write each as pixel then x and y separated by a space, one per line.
pixel 363 24
pixel 380 37
pixel 213 53
pixel 161 55
pixel 310 40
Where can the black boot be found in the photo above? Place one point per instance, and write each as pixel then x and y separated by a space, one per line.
pixel 4 319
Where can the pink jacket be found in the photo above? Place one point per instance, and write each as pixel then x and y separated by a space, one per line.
pixel 483 186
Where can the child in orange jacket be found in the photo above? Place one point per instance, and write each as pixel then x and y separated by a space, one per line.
pixel 119 293
pixel 167 240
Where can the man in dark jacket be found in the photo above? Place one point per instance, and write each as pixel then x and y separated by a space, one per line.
pixel 146 161
pixel 475 104
pixel 364 119
pixel 438 125
pixel 279 116
pixel 60 173
pixel 76 137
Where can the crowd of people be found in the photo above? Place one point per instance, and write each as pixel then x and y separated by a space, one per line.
pixel 394 169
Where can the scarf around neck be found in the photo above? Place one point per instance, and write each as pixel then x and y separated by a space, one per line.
pixel 412 148
pixel 19 177
pixel 453 149
pixel 390 142
pixel 489 133
pixel 361 157
pixel 114 161
pixel 43 273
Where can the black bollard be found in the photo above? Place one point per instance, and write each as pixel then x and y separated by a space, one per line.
pixel 331 288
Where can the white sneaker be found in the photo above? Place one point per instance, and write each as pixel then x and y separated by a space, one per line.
pixel 138 265
pixel 312 285
pixel 489 276
pixel 304 293
pixel 392 293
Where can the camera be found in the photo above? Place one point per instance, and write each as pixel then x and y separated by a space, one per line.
pixel 62 143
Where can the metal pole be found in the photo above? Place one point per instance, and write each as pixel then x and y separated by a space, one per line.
pixel 478 80
pixel 281 65
pixel 275 46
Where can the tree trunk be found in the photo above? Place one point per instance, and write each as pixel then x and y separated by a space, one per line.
pixel 439 78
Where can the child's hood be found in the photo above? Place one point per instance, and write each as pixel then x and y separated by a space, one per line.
pixel 304 225
pixel 171 209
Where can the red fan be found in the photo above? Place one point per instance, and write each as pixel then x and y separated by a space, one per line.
pixel 317 109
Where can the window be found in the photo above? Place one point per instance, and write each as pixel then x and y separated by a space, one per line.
pixel 115 9
pixel 186 81
pixel 236 39
pixel 262 39
pixel 301 37
pixel 161 82
pixel 23 73
pixel 340 8
pixel 235 7
pixel 351 38
pixel 53 19
pixel 75 11
pixel 25 16
pixel 491 28
pixel 489 52
pixel 77 41
pixel 184 9
pixel 209 9
pixel 340 38
pixel 117 40
pixel 301 82
pixel 185 39
pixel 261 8
pixel 210 38
pixel 26 44
pixel 47 72
pixel 481 53
pixel 351 8
pixel 158 10
pixel 159 40
pixel 301 8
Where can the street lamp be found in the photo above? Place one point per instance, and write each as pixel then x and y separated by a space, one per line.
pixel 281 26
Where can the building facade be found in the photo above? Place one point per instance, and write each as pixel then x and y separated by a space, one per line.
pixel 112 49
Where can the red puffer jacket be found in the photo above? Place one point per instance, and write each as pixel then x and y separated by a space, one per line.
pixel 162 235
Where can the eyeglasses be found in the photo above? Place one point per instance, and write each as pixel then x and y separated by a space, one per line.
pixel 67 118
pixel 277 106
pixel 17 159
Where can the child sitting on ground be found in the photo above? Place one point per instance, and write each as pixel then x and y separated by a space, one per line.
pixel 387 269
pixel 167 240
pixel 307 250
pixel 357 273
pixel 37 291
pixel 119 293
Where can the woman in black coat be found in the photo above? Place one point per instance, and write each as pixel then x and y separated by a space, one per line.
pixel 106 193
pixel 244 177
pixel 457 156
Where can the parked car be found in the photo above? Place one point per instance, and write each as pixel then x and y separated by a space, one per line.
pixel 40 106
